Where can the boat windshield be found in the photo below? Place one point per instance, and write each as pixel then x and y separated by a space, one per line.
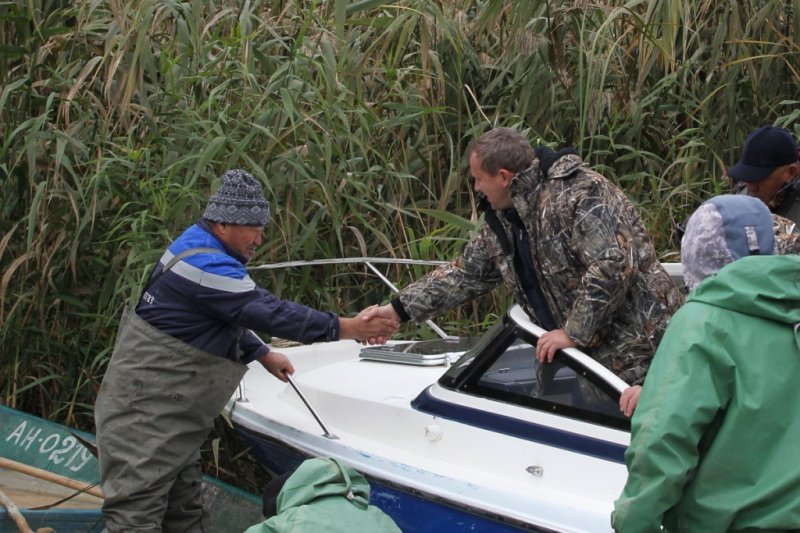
pixel 503 366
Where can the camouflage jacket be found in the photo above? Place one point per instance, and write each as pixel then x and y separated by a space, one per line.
pixel 787 235
pixel 593 258
pixel 788 203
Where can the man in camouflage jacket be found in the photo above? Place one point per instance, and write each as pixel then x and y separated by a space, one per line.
pixel 572 250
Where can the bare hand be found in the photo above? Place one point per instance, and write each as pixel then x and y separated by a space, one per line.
pixel 550 343
pixel 380 311
pixel 628 400
pixel 373 325
pixel 384 311
pixel 277 364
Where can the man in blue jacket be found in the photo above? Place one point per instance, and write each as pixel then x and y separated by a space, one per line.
pixel 180 355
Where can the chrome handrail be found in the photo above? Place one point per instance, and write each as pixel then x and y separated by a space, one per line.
pixel 346 260
pixel 368 261
pixel 675 270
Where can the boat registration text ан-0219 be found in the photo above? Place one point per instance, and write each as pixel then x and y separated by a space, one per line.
pixel 52 447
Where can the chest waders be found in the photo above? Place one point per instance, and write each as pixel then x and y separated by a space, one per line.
pixel 156 406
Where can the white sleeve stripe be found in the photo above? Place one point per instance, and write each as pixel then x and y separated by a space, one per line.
pixel 213 281
pixel 207 279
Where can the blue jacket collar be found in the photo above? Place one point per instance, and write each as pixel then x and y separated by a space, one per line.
pixel 203 224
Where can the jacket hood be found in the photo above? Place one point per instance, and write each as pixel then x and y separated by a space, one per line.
pixel 548 164
pixel 320 478
pixel 725 228
pixel 762 286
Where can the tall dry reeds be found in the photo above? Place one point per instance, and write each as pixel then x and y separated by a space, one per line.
pixel 116 118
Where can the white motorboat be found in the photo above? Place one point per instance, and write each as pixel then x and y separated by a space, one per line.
pixel 453 434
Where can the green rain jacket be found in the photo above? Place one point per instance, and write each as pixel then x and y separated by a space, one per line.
pixel 716 434
pixel 326 495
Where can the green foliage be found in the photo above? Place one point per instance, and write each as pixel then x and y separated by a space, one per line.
pixel 117 117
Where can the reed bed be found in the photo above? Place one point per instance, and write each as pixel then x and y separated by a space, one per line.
pixel 116 118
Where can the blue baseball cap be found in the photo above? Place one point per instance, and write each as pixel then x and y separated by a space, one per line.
pixel 765 150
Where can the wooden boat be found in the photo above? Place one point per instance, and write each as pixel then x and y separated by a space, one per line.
pixel 43 463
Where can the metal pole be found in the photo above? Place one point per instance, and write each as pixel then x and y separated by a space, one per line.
pixel 367 261
pixel 327 433
pixel 344 261
pixel 241 396
pixel 439 331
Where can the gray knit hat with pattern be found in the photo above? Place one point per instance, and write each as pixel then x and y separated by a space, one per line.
pixel 240 200
pixel 722 230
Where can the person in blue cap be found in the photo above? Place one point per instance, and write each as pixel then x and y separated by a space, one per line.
pixel 770 171
pixel 714 436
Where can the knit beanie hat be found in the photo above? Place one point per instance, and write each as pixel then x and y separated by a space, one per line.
pixel 722 230
pixel 240 200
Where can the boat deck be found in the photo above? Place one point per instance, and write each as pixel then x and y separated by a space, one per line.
pixel 28 491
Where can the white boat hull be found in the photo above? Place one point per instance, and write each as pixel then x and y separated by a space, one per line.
pixel 506 466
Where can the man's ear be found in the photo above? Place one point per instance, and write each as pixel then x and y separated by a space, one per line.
pixel 219 228
pixel 507 176
pixel 789 172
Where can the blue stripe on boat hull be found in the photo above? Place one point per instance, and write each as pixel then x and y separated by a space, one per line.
pixel 522 429
pixel 412 510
